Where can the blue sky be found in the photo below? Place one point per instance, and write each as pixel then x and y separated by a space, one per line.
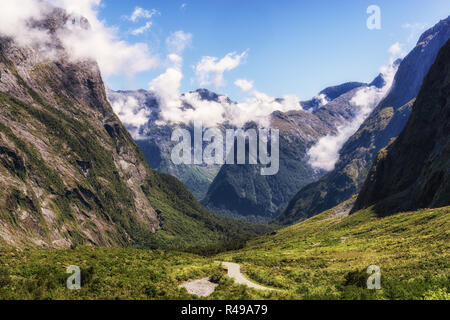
pixel 294 47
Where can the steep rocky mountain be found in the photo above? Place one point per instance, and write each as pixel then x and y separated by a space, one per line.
pixel 241 192
pixel 385 122
pixel 70 173
pixel 413 172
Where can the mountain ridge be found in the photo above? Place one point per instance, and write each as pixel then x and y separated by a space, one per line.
pixel 240 192
pixel 386 121
pixel 412 172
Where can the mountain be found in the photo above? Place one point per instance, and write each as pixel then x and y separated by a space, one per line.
pixel 331 93
pixel 70 173
pixel 241 192
pixel 154 139
pixel 413 172
pixel 385 123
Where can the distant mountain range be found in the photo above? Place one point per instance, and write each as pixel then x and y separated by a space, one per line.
pixel 240 191
pixel 155 140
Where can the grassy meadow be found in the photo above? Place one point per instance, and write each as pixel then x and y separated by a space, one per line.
pixel 325 257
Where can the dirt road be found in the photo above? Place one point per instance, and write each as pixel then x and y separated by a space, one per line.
pixel 234 272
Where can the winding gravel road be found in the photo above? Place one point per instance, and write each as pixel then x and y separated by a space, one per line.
pixel 234 272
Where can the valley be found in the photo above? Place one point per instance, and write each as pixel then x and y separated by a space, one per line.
pixel 325 257
pixel 161 195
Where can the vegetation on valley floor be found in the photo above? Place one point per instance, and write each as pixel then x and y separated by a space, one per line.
pixel 324 257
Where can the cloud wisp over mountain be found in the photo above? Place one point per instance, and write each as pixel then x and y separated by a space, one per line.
pixel 325 153
pixel 85 36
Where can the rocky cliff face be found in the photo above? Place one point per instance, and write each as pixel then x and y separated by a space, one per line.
pixel 70 173
pixel 385 122
pixel 414 171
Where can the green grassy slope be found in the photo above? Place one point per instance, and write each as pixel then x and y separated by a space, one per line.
pixel 324 257
pixel 186 225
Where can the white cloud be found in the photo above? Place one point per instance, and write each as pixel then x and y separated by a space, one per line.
pixel 187 108
pixel 415 30
pixel 183 6
pixel 131 112
pixel 210 70
pixel 142 29
pixel 258 107
pixel 325 153
pixel 101 43
pixel 322 99
pixel 113 55
pixel 14 17
pixel 396 51
pixel 178 41
pixel 244 84
pixel 140 13
pixel 98 42
pixel 167 88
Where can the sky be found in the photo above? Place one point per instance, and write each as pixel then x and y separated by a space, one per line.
pixel 282 47
pixel 253 51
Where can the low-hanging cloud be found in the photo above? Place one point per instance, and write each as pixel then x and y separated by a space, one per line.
pixel 15 17
pixel 131 110
pixel 190 107
pixel 325 153
pixel 98 42
pixel 177 108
